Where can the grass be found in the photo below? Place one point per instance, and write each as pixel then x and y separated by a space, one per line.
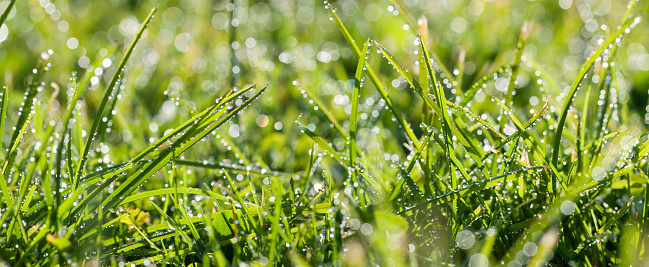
pixel 451 154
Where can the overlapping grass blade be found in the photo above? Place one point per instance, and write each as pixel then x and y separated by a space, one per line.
pixel 375 80
pixel 460 192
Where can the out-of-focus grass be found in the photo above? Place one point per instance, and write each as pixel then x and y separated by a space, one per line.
pixel 454 178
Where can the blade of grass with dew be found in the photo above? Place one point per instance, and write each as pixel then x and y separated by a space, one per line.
pixel 307 177
pixel 176 225
pixel 582 131
pixel 200 247
pixel 185 142
pixel 244 206
pixel 330 150
pixel 522 39
pixel 26 111
pixel 409 19
pixel 40 154
pixel 452 130
pixel 104 102
pixel 328 115
pixel 514 136
pixel 190 138
pixel 353 117
pixel 449 127
pixel 4 99
pixel 603 115
pixel 202 117
pixel 616 217
pixel 469 114
pixel 475 187
pixel 107 120
pixel 535 144
pixel 20 131
pixel 481 84
pixel 232 168
pixel 3 115
pixel 375 80
pixel 544 75
pixel 627 24
pixel 446 129
pixel 397 189
pixel 141 233
pixel 321 107
pixel 232 146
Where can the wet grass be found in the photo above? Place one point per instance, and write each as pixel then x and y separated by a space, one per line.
pixel 420 166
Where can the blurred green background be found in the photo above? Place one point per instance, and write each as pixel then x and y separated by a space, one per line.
pixel 197 49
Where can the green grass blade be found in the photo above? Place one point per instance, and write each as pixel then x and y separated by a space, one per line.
pixel 331 151
pixel 358 83
pixel 321 107
pixel 17 140
pixel 4 99
pixel 458 193
pixel 628 24
pixel 515 68
pixel 104 102
pixel 3 115
pixel 201 117
pixel 375 80
pixel 5 14
pixel 233 168
pixel 178 148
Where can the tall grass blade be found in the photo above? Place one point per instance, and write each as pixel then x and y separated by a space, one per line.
pixel 615 37
pixel 104 102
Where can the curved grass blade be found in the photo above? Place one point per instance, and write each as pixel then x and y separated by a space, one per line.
pixel 628 24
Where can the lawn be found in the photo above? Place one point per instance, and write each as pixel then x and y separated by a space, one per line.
pixel 335 133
